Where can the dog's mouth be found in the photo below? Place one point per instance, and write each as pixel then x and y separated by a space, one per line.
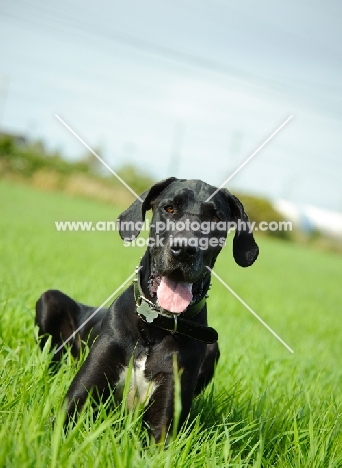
pixel 173 293
pixel 174 296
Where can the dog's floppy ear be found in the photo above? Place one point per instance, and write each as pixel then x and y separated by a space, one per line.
pixel 130 219
pixel 245 249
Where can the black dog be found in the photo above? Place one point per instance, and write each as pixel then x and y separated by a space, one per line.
pixel 163 314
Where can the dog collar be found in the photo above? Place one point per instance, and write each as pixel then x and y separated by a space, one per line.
pixel 161 318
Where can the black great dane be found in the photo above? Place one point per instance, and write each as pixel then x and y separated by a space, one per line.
pixel 162 315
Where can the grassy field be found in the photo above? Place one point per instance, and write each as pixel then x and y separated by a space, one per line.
pixel 266 407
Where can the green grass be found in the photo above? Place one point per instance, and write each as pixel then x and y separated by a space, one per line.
pixel 266 407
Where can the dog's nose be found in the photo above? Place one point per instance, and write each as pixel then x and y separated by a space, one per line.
pixel 181 249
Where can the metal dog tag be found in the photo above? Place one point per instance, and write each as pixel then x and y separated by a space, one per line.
pixel 145 310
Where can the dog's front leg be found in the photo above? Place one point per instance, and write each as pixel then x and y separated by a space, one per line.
pixel 160 415
pixel 99 374
pixel 206 371
pixel 160 412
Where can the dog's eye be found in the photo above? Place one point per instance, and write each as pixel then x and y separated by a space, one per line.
pixel 169 209
pixel 215 218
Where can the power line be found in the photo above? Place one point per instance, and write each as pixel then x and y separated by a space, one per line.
pixel 86 28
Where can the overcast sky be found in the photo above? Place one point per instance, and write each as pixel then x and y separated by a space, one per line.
pixel 184 88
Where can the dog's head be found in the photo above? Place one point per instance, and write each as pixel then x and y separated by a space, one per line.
pixel 187 233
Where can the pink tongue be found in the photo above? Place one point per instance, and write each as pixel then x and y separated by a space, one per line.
pixel 172 296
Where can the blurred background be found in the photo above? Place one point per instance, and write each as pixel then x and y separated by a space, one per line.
pixel 183 88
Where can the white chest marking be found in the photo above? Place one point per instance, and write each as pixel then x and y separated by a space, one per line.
pixel 139 390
